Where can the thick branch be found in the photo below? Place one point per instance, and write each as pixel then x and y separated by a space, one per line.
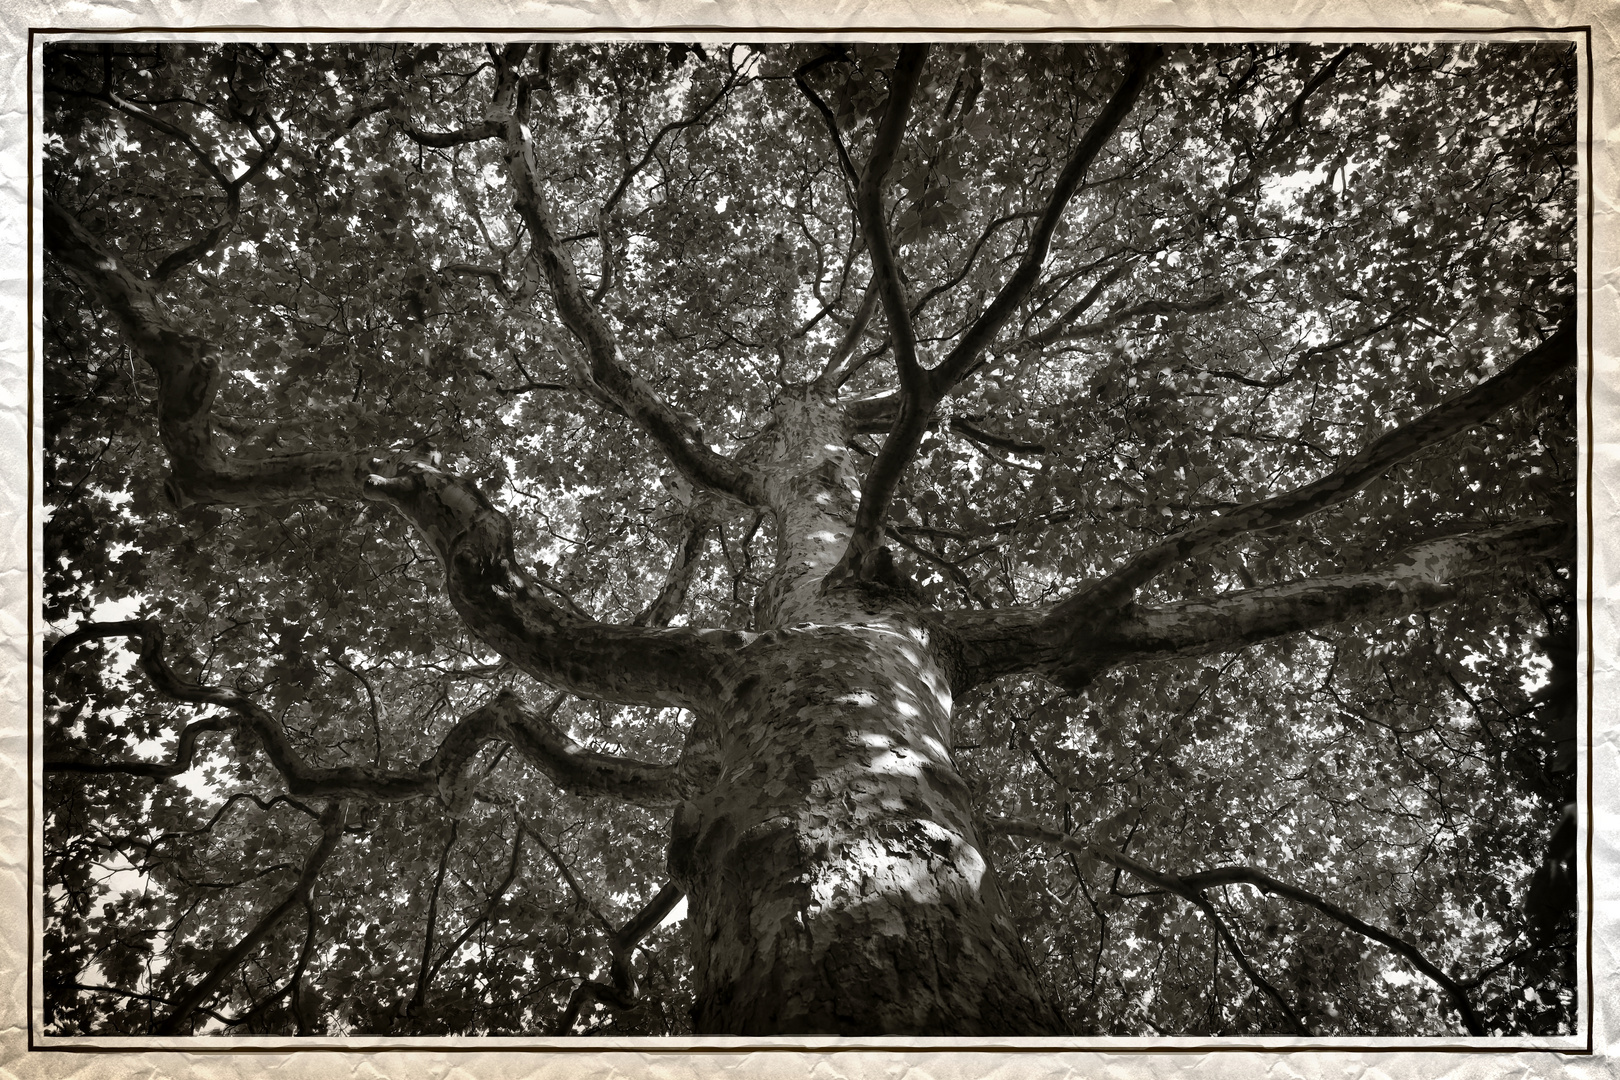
pixel 444 140
pixel 916 401
pixel 1419 578
pixel 185 753
pixel 500 602
pixel 974 433
pixel 1192 885
pixel 578 769
pixel 189 374
pixel 1452 418
pixel 995 643
pixel 533 734
pixel 846 165
pixel 331 833
pixel 510 611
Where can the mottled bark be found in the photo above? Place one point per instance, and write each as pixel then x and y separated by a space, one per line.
pixel 836 881
pixel 1070 648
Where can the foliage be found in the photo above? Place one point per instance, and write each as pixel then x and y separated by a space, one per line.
pixel 1283 251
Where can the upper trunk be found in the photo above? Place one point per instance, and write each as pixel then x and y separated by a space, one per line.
pixel 836 881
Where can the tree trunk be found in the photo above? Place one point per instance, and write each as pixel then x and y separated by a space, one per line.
pixel 835 879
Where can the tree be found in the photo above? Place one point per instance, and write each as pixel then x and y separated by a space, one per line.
pixel 988 539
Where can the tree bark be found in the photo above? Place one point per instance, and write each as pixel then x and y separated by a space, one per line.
pixel 837 883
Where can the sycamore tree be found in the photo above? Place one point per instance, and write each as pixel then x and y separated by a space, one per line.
pixel 990 539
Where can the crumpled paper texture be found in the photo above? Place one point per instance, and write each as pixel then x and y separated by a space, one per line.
pixel 21 526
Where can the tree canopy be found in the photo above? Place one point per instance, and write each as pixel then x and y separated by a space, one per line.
pixel 1265 348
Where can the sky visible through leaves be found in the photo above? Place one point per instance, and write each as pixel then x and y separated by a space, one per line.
pixel 1284 251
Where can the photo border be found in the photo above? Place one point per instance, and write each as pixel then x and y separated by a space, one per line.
pixel 1581 1044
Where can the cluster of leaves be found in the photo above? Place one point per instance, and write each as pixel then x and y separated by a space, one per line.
pixel 1390 769
pixel 1283 247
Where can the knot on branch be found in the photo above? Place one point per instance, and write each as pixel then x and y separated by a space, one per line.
pixel 877 576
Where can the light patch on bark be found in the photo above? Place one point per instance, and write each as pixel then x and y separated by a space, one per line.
pixel 836 879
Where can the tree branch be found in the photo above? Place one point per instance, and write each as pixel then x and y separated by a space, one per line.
pixel 532 734
pixel 1192 885
pixel 961 359
pixel 973 256
pixel 444 140
pixel 990 644
pixel 471 928
pixel 1259 160
pixel 424 969
pixel 921 390
pixel 138 996
pixel 509 609
pixel 189 375
pixel 652 147
pixel 862 558
pixel 1078 308
pixel 312 925
pixel 621 995
pixel 1202 902
pixel 184 756
pixel 1419 578
pixel 1243 875
pixel 496 279
pixel 500 602
pixel 231 187
pixel 1295 114
pixel 678 437
pixel 1060 330
pixel 874 226
pixel 331 833
pixel 682 569
pixel 974 433
pixel 1452 418
pixel 840 366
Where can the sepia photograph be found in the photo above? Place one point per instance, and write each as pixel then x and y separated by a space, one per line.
pixel 955 539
